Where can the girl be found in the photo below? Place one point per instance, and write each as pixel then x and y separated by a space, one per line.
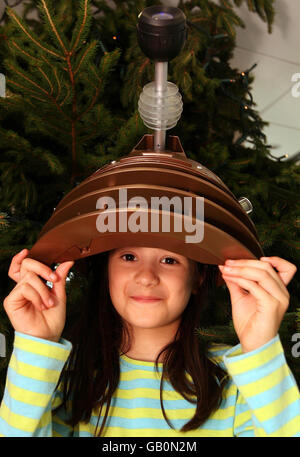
pixel 135 365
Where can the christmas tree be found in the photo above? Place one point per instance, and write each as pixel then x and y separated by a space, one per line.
pixel 73 79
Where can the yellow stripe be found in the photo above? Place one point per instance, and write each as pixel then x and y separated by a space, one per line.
pixel 154 432
pixel 270 410
pixel 143 412
pixel 266 383
pixel 237 351
pixel 33 372
pixel 222 414
pixel 214 347
pixel 218 358
pixel 44 349
pixel 153 413
pixel 21 422
pixel 24 395
pixel 260 432
pixel 138 374
pixel 229 390
pixel 242 418
pixel 142 374
pixel 289 429
pixel 146 392
pixel 56 402
pixel 256 360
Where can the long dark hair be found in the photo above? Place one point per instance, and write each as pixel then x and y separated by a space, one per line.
pixel 92 373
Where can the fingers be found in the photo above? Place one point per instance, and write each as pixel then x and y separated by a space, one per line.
pixel 23 294
pixel 286 270
pixel 261 294
pixel 20 265
pixel 44 292
pixel 265 266
pixel 15 265
pixel 30 265
pixel 30 288
pixel 263 277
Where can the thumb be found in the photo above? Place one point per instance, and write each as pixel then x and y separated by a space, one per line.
pixel 59 285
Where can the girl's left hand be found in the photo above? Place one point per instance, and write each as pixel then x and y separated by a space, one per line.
pixel 259 297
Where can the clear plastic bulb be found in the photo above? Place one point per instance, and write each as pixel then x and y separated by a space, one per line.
pixel 160 110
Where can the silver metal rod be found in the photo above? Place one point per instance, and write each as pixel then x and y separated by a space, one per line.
pixel 161 78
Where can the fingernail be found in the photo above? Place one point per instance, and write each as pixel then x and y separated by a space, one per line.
pixel 50 302
pixel 53 276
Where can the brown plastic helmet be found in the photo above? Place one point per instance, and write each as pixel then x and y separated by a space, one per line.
pixel 72 232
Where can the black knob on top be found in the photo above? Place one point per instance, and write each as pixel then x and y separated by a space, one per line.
pixel 162 32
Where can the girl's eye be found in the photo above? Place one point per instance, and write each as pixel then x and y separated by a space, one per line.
pixel 173 261
pixel 127 255
pixel 169 260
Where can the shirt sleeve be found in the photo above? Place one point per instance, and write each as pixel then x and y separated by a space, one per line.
pixel 268 399
pixel 29 396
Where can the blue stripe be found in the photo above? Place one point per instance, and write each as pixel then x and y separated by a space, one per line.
pixel 85 434
pixel 161 424
pixel 140 402
pixel 9 431
pixel 44 431
pixel 62 342
pixel 259 372
pixel 287 414
pixel 141 383
pixel 241 432
pixel 269 396
pixel 33 385
pixel 243 356
pixel 38 360
pixel 125 367
pixel 24 409
pixel 64 430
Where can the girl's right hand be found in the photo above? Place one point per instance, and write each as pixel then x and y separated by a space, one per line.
pixel 28 306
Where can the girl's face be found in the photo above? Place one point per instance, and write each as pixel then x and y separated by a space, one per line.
pixel 150 287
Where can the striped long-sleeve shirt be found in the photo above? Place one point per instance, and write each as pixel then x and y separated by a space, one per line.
pixel 261 397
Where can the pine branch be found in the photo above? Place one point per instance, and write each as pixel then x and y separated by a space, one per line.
pixel 82 26
pixel 52 25
pixel 85 56
pixel 31 35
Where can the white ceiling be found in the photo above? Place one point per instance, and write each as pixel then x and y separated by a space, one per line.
pixel 277 56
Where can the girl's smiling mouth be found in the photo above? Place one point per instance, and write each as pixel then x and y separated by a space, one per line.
pixel 146 298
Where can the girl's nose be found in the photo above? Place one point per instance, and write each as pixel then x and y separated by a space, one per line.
pixel 147 277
